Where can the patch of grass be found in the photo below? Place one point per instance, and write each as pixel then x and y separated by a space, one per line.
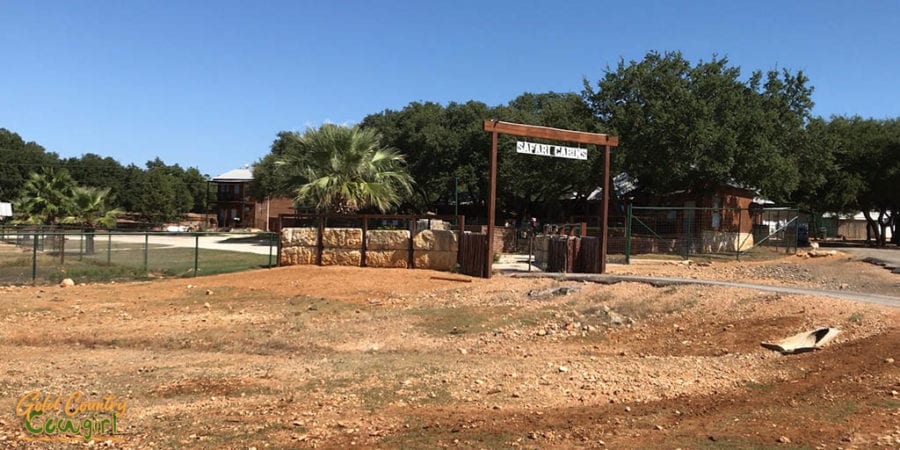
pixel 734 442
pixel 887 404
pixel 763 387
pixel 419 434
pixel 838 412
pixel 856 318
pixel 462 320
pixel 126 262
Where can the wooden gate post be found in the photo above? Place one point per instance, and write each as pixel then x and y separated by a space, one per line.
pixel 492 180
pixel 604 211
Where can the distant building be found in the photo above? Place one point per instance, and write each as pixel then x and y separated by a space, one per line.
pixel 234 207
pixel 848 226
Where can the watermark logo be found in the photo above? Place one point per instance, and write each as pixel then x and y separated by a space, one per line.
pixel 63 416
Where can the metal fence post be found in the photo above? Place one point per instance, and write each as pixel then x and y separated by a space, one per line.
pixel 737 251
pixel 628 236
pixel 146 251
pixel 196 253
pixel 108 247
pixel 271 241
pixel 34 259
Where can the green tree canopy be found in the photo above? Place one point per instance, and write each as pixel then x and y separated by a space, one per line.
pixel 866 170
pixel 46 197
pixel 89 208
pixel 273 179
pixel 443 145
pixel 448 143
pixel 92 170
pixel 159 196
pixel 684 126
pixel 348 169
pixel 18 160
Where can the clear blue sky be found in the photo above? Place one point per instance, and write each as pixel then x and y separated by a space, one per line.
pixel 208 84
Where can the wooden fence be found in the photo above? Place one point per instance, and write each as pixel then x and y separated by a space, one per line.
pixel 472 251
pixel 574 254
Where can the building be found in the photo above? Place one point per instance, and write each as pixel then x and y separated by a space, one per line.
pixel 848 226
pixel 235 206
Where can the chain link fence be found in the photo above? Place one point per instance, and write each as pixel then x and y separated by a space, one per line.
pixel 42 256
pixel 686 232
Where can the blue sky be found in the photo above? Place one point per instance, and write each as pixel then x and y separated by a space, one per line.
pixel 208 84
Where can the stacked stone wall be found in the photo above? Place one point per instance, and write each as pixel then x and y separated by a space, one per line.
pixel 432 249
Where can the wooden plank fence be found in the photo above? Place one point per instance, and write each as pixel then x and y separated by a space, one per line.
pixel 472 251
pixel 574 255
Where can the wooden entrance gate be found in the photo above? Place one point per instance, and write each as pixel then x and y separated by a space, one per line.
pixel 496 127
pixel 472 251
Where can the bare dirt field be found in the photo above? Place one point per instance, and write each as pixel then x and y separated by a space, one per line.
pixel 337 357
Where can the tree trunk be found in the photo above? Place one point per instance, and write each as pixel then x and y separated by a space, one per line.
pixel 88 240
pixel 872 229
pixel 894 219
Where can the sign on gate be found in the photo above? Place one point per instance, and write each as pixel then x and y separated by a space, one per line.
pixel 556 151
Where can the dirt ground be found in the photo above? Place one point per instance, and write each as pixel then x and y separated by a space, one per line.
pixel 337 357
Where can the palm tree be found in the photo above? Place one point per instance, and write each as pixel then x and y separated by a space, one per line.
pixel 46 197
pixel 348 169
pixel 89 209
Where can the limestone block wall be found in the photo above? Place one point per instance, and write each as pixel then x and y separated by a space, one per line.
pixel 341 246
pixel 387 248
pixel 435 249
pixel 432 248
pixel 298 246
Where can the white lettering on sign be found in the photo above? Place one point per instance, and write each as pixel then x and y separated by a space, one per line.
pixel 556 151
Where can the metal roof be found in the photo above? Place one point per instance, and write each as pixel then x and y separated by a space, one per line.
pixel 243 174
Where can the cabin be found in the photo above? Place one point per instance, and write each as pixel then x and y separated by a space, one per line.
pixel 235 206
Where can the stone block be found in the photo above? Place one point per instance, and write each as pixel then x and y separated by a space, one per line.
pixel 343 238
pixel 434 260
pixel 297 255
pixel 341 257
pixel 436 240
pixel 291 237
pixel 387 258
pixel 387 240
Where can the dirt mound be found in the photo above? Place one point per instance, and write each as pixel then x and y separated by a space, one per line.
pixel 336 357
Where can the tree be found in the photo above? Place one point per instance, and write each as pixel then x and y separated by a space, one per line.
pixel 92 170
pixel 195 185
pixel 158 199
pixel 532 184
pixel 46 197
pixel 693 127
pixel 130 197
pixel 89 209
pixel 444 146
pixel 270 178
pixel 867 171
pixel 18 160
pixel 447 144
pixel 348 169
